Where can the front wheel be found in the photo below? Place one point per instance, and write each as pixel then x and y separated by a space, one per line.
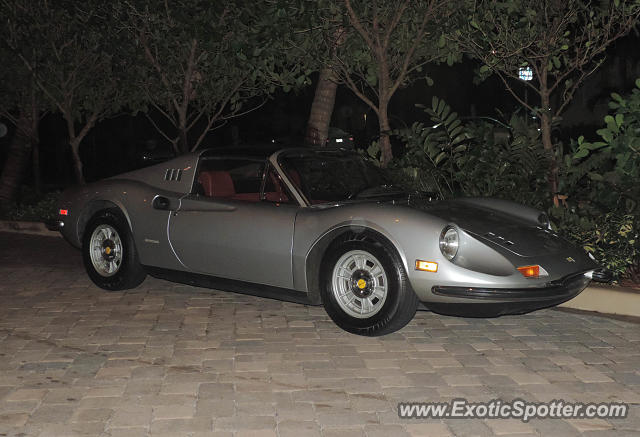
pixel 365 289
pixel 109 252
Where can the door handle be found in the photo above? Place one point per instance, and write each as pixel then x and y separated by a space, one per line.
pixel 161 202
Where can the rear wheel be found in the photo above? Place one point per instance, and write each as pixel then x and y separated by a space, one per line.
pixel 365 289
pixel 109 253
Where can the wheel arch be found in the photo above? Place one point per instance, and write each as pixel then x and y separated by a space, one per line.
pixel 92 208
pixel 316 255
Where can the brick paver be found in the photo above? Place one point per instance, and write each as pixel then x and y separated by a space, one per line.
pixel 169 359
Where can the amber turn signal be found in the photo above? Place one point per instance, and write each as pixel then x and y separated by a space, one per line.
pixel 426 266
pixel 530 271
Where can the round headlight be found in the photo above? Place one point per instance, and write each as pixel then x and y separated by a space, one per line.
pixel 449 242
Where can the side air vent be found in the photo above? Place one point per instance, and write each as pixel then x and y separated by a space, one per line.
pixel 173 174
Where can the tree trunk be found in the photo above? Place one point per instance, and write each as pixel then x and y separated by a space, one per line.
pixel 76 139
pixel 176 146
pixel 35 143
pixel 547 142
pixel 18 157
pixel 183 139
pixel 77 162
pixel 184 146
pixel 385 143
pixel 35 167
pixel 321 109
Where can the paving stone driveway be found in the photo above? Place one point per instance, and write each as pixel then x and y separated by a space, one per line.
pixel 168 359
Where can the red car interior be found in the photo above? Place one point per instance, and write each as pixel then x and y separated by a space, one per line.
pixel 219 184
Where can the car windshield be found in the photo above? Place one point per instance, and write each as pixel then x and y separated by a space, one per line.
pixel 329 177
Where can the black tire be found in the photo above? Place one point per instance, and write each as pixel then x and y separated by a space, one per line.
pixel 400 303
pixel 129 272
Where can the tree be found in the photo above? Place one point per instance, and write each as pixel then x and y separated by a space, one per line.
pixel 67 49
pixel 562 41
pixel 322 105
pixel 313 33
pixel 25 116
pixel 326 88
pixel 201 64
pixel 22 106
pixel 384 46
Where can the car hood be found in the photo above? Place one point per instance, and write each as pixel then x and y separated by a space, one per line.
pixel 495 227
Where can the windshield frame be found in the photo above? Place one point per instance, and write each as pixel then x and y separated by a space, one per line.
pixel 279 158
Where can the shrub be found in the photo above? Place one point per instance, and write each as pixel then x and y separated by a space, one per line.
pixel 434 152
pixel 32 207
pixel 482 157
pixel 600 180
pixel 610 237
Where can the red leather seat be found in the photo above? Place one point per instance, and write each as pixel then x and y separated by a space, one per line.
pixel 278 194
pixel 217 183
pixel 206 181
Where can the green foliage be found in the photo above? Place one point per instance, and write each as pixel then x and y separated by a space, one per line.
pixel 481 158
pixel 612 237
pixel 32 207
pixel 69 52
pixel 199 63
pixel 16 85
pixel 601 179
pixel 376 47
pixel 563 41
pixel 507 163
pixel 403 35
pixel 478 158
pixel 610 168
pixel 73 62
pixel 434 152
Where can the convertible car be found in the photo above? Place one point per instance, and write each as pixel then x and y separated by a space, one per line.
pixel 319 227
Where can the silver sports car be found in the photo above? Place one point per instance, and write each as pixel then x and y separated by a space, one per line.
pixel 319 227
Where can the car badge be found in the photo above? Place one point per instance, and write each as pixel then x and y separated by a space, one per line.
pixel 570 259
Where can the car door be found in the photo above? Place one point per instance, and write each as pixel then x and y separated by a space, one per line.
pixel 234 229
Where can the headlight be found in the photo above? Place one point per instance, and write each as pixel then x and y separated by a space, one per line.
pixel 449 242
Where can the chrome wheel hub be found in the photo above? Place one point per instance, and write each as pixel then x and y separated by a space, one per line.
pixel 359 284
pixel 105 250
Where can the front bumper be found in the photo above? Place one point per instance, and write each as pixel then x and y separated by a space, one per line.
pixel 54 225
pixel 492 302
pixel 604 276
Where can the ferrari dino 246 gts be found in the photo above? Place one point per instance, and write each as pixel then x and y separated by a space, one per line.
pixel 319 227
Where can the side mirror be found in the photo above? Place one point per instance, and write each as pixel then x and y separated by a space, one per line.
pixel 161 202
